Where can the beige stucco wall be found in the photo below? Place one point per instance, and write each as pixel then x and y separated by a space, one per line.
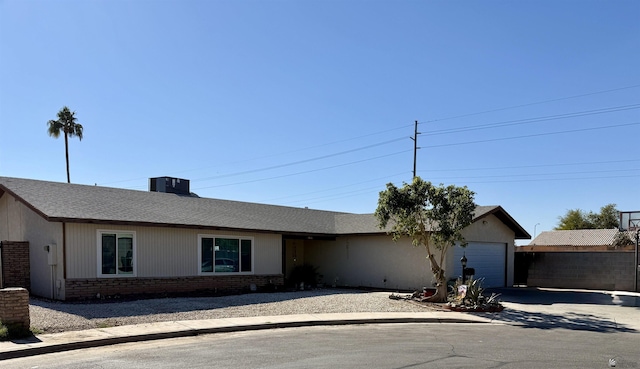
pixel 19 223
pixel 370 261
pixel 163 252
pixel 490 229
pixel 377 261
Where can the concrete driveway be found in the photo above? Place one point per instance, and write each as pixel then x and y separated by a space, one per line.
pixel 544 308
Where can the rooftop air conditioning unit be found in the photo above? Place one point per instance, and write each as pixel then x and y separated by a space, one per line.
pixel 178 186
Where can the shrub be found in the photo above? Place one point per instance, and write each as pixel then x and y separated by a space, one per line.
pixel 473 298
pixel 11 331
pixel 305 273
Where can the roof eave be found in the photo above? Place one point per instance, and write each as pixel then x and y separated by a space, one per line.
pixel 504 217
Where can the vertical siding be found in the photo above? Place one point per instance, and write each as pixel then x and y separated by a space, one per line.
pixel 11 227
pixel 162 252
pixel 28 226
pixel 268 254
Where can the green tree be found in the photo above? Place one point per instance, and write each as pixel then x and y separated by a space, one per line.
pixel 432 216
pixel 574 219
pixel 66 124
pixel 607 218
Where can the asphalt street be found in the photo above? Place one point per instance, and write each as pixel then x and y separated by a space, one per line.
pixel 364 346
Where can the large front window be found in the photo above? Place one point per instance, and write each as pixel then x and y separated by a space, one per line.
pixel 226 254
pixel 116 252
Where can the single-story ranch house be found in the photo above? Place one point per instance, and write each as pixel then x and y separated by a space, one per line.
pixel 81 242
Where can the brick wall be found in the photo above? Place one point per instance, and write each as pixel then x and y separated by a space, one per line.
pixel 588 270
pixel 15 264
pixel 82 289
pixel 14 308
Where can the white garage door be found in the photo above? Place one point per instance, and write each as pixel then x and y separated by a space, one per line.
pixel 488 259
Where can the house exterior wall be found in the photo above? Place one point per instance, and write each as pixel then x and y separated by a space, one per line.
pixel 162 252
pixel 166 262
pixel 489 229
pixel 377 261
pixel 19 223
pixel 370 261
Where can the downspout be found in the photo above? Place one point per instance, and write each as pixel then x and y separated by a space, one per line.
pixel 53 282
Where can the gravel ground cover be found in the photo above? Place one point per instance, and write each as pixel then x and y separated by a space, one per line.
pixel 52 316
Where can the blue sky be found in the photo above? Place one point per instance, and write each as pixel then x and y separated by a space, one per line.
pixel 534 105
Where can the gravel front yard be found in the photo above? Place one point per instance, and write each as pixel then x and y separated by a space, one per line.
pixel 50 317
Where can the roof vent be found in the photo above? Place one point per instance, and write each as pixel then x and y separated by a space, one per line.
pixel 178 186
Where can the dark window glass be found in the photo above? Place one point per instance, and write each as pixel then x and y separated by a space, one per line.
pixel 207 255
pixel 227 255
pixel 245 256
pixel 125 254
pixel 109 256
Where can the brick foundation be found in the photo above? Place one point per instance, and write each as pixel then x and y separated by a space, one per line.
pixel 15 264
pixel 14 308
pixel 84 289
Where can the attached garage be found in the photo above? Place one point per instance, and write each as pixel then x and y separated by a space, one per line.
pixel 489 259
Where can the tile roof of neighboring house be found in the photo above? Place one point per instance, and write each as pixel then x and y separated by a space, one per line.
pixel 60 202
pixel 580 237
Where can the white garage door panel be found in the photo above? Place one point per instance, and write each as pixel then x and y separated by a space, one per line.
pixel 488 259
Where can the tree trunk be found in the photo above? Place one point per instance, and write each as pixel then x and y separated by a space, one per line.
pixel 441 286
pixel 66 153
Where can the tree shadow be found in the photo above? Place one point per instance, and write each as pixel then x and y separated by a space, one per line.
pixel 569 320
pixel 537 296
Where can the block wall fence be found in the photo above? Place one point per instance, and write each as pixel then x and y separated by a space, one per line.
pixel 586 270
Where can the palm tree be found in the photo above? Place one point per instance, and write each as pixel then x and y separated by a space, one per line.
pixel 66 123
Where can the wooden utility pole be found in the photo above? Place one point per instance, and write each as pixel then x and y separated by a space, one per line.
pixel 415 148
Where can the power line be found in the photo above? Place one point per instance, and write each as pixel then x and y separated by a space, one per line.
pixel 378 189
pixel 511 175
pixel 337 188
pixel 532 135
pixel 533 120
pixel 462 129
pixel 533 103
pixel 535 166
pixel 304 172
pixel 300 161
pixel 556 179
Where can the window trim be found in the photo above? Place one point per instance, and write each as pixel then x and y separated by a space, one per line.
pixel 236 237
pixel 134 261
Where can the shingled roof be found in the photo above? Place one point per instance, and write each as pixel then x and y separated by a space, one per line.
pixel 63 202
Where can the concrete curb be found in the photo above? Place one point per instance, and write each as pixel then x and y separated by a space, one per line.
pixel 67 341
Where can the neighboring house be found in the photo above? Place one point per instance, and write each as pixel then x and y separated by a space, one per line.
pixel 88 241
pixel 585 258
